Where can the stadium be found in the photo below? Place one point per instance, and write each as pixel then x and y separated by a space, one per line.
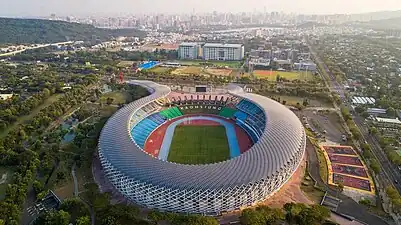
pixel 203 153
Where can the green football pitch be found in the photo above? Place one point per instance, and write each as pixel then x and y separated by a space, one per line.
pixel 199 145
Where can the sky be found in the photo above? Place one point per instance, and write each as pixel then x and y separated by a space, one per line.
pixel 23 8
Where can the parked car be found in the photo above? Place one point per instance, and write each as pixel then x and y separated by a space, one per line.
pixel 344 138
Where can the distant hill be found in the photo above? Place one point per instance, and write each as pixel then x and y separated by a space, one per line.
pixel 47 31
pixel 385 24
pixel 380 15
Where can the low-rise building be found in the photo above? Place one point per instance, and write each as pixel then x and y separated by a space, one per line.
pixel 376 111
pixel 388 126
pixel 309 66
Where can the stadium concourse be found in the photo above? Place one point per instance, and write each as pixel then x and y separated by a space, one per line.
pixel 200 153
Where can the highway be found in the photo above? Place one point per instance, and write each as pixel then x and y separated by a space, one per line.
pixel 389 173
pixel 36 47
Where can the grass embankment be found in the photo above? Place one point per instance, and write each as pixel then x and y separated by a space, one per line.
pixel 322 160
pixel 119 97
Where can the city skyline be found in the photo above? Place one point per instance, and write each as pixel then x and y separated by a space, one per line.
pixel 25 8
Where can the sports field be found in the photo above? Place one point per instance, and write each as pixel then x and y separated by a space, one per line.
pixel 230 64
pixel 199 145
pixel 272 75
pixel 160 70
pixel 186 70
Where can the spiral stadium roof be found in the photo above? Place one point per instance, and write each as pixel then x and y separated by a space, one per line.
pixel 282 141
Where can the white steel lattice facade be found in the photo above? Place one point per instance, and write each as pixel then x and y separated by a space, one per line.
pixel 205 189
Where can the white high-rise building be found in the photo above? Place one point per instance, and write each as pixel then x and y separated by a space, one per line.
pixel 223 52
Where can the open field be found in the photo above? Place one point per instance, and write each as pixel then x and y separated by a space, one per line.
pixel 160 70
pixel 6 175
pixel 231 64
pixel 118 97
pixel 293 100
pixel 66 189
pixel 27 118
pixel 199 145
pixel 185 70
pixel 125 63
pixel 272 75
pixel 162 46
pixel 219 72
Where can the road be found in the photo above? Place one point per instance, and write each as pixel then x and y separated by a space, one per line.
pixel 36 47
pixel 76 194
pixel 390 172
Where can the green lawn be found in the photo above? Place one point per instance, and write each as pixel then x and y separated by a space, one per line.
pixel 125 63
pixel 119 97
pixel 28 118
pixel 160 70
pixel 293 100
pixel 199 145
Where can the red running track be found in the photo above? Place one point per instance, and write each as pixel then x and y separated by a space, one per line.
pixel 155 140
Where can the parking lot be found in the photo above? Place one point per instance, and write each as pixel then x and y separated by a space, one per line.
pixel 325 124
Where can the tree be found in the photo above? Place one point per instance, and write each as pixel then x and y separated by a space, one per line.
pixel 85 220
pixel 292 211
pixel 373 130
pixel 360 109
pixel 340 187
pixel 364 202
pixel 55 218
pixel 75 207
pixel 109 101
pixel 391 112
pixel 313 215
pixel 305 102
pixel 365 114
pixel 252 217
pixel 375 166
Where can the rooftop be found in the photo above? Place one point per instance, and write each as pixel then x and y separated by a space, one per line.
pixel 192 44
pixel 388 120
pixel 222 45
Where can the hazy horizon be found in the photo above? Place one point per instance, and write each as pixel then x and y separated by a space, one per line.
pixel 21 8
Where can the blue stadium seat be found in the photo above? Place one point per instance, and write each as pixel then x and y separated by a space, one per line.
pixel 145 127
pixel 251 118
